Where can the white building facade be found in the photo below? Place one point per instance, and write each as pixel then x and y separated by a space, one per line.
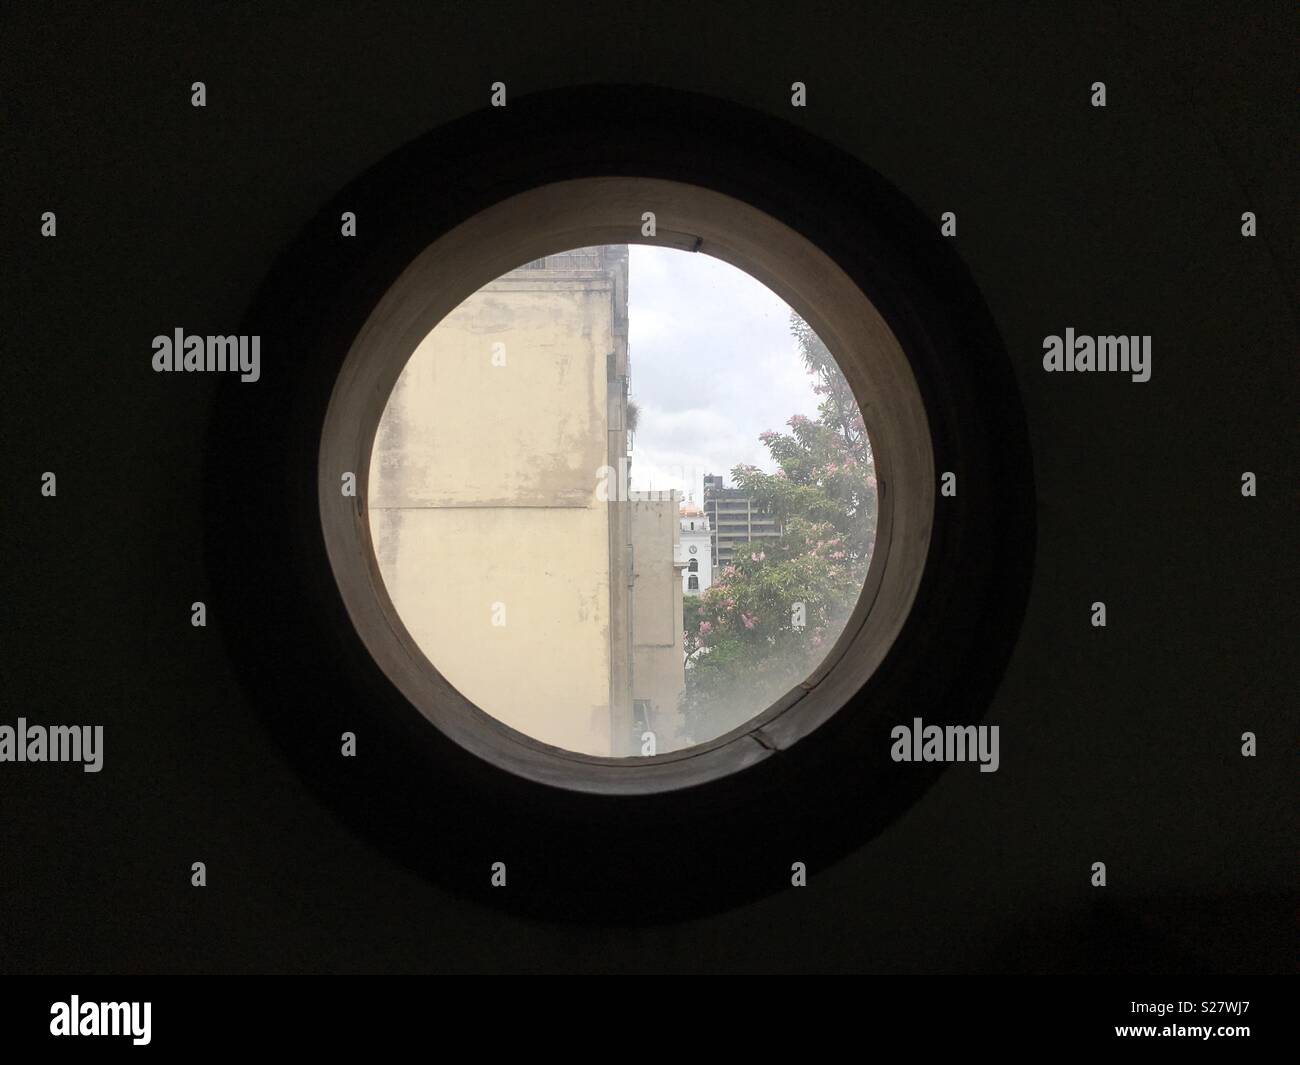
pixel 695 551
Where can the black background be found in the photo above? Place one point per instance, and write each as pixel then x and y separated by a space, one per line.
pixel 1119 745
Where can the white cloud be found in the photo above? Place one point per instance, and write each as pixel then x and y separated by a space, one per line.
pixel 713 365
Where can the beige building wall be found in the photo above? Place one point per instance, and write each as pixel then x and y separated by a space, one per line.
pixel 658 675
pixel 489 533
pixel 494 503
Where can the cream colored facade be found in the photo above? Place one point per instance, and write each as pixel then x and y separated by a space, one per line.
pixel 658 671
pixel 505 558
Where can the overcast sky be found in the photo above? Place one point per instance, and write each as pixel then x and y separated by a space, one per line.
pixel 713 365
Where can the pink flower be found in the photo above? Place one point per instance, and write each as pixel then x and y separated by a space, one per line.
pixel 748 620
pixel 758 556
pixel 837 555
pixel 706 627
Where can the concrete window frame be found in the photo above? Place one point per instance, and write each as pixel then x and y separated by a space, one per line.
pixel 608 210
pixel 706 828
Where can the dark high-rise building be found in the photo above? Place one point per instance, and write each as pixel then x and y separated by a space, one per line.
pixel 734 519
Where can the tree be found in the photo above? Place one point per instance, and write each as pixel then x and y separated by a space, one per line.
pixel 772 614
pixel 826 472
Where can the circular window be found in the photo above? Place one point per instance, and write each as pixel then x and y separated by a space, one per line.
pixel 470 461
pixel 359 705
pixel 553 455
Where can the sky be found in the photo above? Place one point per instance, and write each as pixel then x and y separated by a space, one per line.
pixel 713 365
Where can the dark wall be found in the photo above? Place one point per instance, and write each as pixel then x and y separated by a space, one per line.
pixel 1119 745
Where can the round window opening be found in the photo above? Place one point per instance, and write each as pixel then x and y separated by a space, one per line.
pixel 633 507
pixel 583 516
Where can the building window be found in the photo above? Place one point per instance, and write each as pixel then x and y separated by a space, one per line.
pixel 465 679
pixel 435 753
pixel 632 637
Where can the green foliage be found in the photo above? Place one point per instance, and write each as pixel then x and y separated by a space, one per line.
pixel 745 645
